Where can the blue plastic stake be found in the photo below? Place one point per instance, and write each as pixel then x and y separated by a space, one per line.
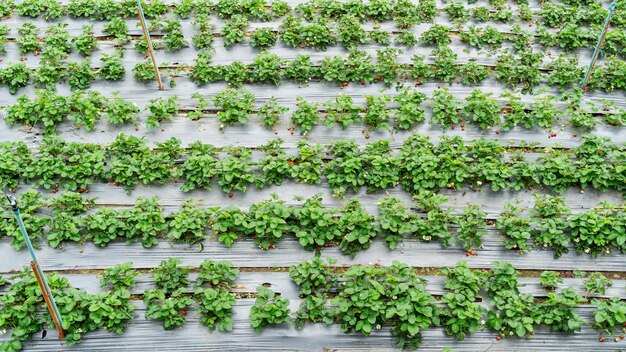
pixel 598 48
pixel 41 278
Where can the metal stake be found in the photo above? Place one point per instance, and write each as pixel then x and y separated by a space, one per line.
pixel 39 274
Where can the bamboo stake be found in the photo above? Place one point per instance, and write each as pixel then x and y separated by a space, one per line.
pixel 146 35
pixel 46 298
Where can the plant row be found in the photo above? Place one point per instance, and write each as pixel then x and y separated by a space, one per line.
pixel 420 165
pixel 405 13
pixel 364 299
pixel 398 112
pixel 522 71
pixel 551 225
pixel 56 44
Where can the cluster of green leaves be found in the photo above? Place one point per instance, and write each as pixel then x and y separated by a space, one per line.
pixel 268 309
pixel 169 301
pixel 371 297
pixel 315 279
pixel 462 315
pixel 22 307
pixel 211 293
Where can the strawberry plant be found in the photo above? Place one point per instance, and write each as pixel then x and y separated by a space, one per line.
pixel 49 73
pixel 410 111
pixel 56 43
pixel 435 225
pixel 144 71
pixel 444 109
pixel 342 111
pixel 161 110
pixel 564 72
pixel 81 312
pixel 596 283
pixel 308 165
pixel 112 68
pixel 80 75
pixel 315 35
pixel 46 108
pixel 300 69
pixel 550 223
pixel 274 168
pixel 461 315
pixel 436 35
pixel 345 170
pixel 64 227
pixel 557 311
pixel 265 68
pixel 514 311
pixel 228 224
pixel 235 104
pixel 28 41
pixel 188 223
pixel 371 297
pixel 235 73
pixel 314 278
pixel 118 111
pixel 266 222
pixel 349 32
pixel 234 172
pixel 173 38
pixel 270 113
pixel 14 156
pixel 146 222
pixel 215 302
pixel 306 116
pixel 481 14
pixel 85 42
pixel 394 220
pixel 481 109
pixel 407 38
pixel 472 73
pixel 168 302
pixel 610 315
pixel 15 76
pixel 234 30
pixel 446 68
pixel 356 226
pixel 6 8
pixel 198 169
pixel 4 29
pixel 48 9
pixel 457 12
pixel 268 309
pixel 118 29
pixel 515 229
pixel 387 66
pixel 30 204
pixel 203 39
pixel 549 280
pixel 379 36
pixel 125 159
pixel 319 226
pixel 472 226
pixel 522 71
pixel 598 230
pixel 263 38
pixel 381 167
pixel 120 276
pixel 377 113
